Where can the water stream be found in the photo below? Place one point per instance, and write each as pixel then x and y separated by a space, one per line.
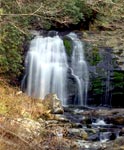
pixel 47 66
pixel 79 67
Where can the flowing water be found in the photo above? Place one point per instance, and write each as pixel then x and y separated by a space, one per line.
pixel 46 68
pixel 79 67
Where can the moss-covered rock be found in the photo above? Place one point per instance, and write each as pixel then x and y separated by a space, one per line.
pixel 68 46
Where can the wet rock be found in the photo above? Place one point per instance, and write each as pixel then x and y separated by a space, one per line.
pixel 103 65
pixel 122 132
pixel 83 134
pixel 112 136
pixel 86 145
pixel 53 104
pixel 119 120
pixel 94 137
pixel 78 133
pixel 72 89
pixel 107 136
pixel 61 118
pixel 77 125
pixel 118 144
pixel 78 111
pixel 91 131
pixel 86 120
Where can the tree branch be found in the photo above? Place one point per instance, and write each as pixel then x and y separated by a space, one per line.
pixel 18 28
pixel 37 9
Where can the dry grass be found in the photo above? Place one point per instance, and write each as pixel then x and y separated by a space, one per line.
pixel 15 105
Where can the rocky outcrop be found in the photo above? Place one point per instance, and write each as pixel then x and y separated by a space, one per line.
pixel 53 104
pixel 105 61
pixel 78 133
pixel 71 133
pixel 106 70
pixel 28 128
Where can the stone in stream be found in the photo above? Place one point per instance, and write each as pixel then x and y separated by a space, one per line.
pixel 81 133
pixel 122 132
pixel 118 120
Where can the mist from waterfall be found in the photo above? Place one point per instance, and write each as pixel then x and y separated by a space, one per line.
pixel 47 66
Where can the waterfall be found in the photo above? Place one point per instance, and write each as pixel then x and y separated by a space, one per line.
pixel 80 69
pixel 47 66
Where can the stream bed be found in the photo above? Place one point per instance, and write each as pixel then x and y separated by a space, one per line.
pixel 98 128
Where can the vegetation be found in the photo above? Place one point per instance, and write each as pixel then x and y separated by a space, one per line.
pixel 18 17
pixel 11 51
pixel 95 58
pixel 22 123
pixel 118 83
pixel 14 104
pixel 68 46
pixel 45 13
pixel 97 86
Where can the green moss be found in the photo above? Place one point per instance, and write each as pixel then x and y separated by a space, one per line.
pixel 118 83
pixel 118 76
pixel 95 58
pixel 97 86
pixel 68 46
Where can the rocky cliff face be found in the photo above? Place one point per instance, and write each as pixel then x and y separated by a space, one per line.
pixel 105 58
pixel 106 68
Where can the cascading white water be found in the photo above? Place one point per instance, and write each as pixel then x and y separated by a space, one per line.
pixel 79 67
pixel 47 66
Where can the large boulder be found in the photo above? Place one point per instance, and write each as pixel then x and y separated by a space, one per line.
pixel 53 104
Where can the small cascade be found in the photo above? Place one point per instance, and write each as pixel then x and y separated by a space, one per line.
pixel 107 99
pixel 79 67
pixel 47 66
pixel 106 64
pixel 99 122
pixel 104 136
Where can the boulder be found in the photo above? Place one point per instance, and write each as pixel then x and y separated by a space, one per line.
pixel 81 133
pixel 60 117
pixel 118 120
pixel 53 104
pixel 122 132
pixel 27 129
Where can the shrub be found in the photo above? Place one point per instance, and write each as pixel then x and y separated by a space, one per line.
pixel 11 51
